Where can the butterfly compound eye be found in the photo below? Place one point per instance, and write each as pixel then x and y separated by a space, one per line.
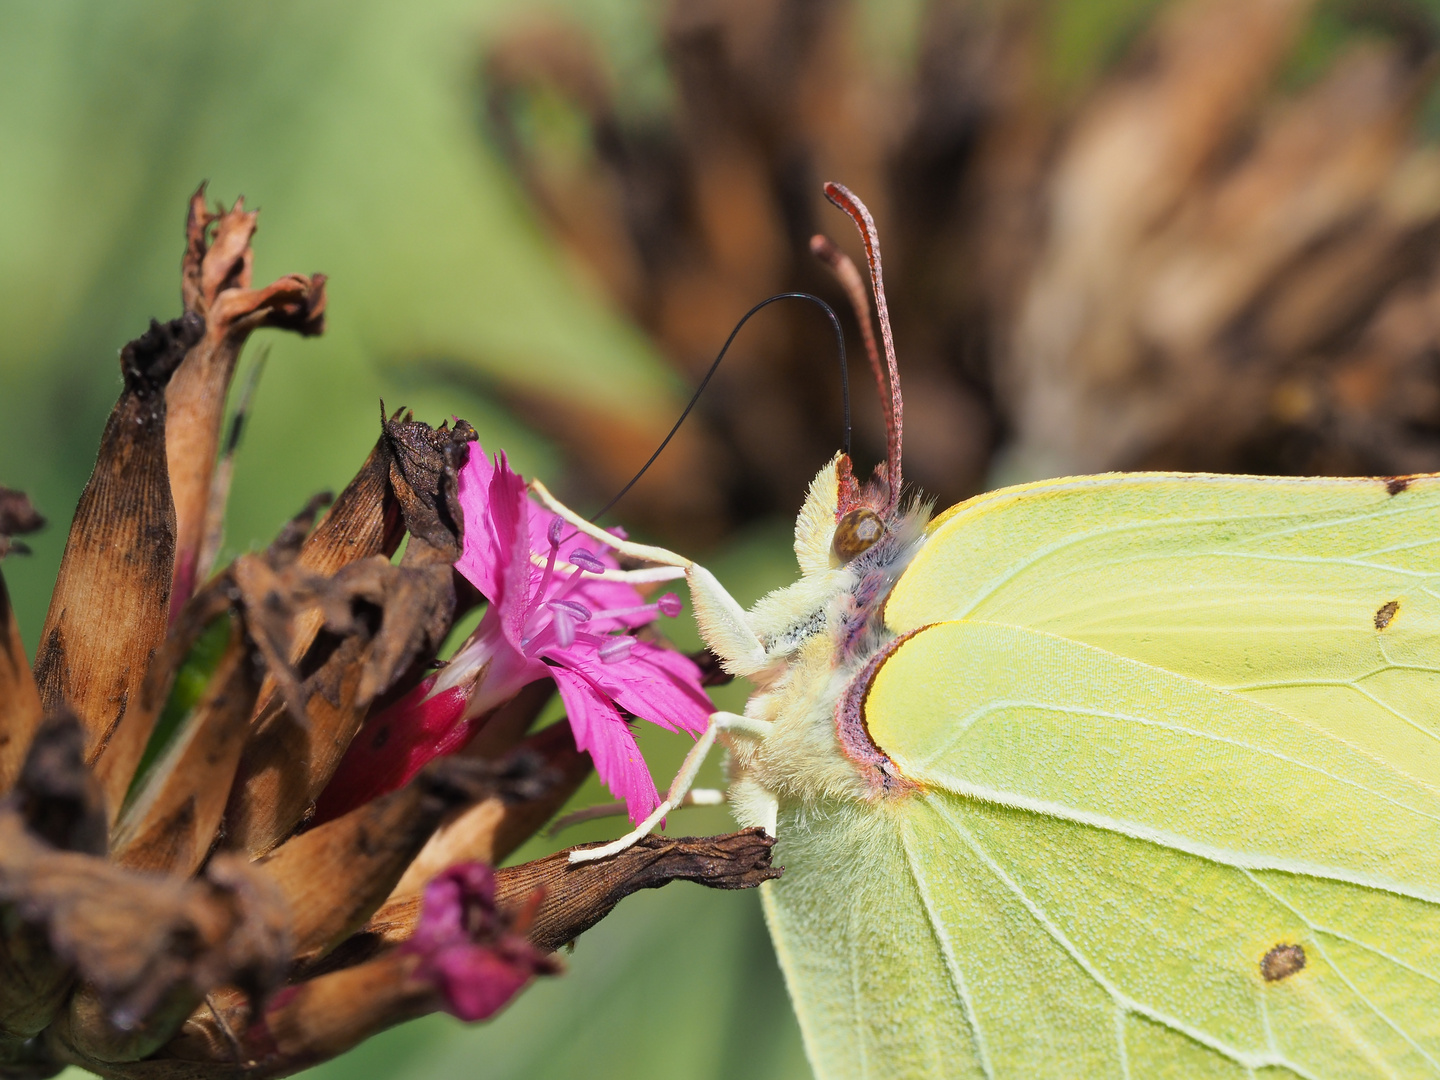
pixel 857 532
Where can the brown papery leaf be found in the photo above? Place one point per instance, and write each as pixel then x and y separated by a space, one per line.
pixel 17 517
pixel 491 830
pixel 172 820
pixel 578 895
pixel 302 1025
pixel 418 597
pixel 115 766
pixel 145 947
pixel 364 521
pixel 383 624
pixel 149 948
pixel 20 710
pixel 216 285
pixel 289 760
pixel 111 602
pixel 575 896
pixel 57 805
pixel 551 899
pixel 276 590
pixel 336 875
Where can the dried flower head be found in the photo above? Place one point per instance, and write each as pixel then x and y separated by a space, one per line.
pixel 171 902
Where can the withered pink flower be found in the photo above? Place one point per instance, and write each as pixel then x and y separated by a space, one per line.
pixel 551 615
pixel 467 951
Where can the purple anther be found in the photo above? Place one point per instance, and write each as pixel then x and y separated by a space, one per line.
pixel 669 605
pixel 564 627
pixel 556 526
pixel 585 560
pixel 617 648
pixel 573 608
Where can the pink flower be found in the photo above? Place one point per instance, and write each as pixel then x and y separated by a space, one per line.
pixel 550 616
pixel 466 950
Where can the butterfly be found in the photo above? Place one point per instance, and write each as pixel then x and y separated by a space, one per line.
pixel 1125 775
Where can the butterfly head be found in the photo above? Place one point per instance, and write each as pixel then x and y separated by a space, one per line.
pixel 860 514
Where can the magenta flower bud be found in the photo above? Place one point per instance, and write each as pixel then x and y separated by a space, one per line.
pixel 467 949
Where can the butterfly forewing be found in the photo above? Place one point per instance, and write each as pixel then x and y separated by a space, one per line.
pixel 1319 597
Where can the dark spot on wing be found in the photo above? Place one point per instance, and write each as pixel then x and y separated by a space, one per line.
pixel 1281 962
pixel 1386 613
pixel 1397 484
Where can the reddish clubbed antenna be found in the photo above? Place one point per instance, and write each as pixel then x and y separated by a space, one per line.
pixel 846 200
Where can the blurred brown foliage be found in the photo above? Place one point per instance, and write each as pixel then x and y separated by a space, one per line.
pixel 1190 262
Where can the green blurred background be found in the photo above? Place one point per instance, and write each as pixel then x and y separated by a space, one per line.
pixel 356 127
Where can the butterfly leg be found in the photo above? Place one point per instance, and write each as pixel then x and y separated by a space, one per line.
pixel 700 796
pixel 720 721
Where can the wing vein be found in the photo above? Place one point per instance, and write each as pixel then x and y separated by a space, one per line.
pixel 1077 539
pixel 1315 938
pixel 1069 710
pixel 1219 856
pixel 947 950
pixel 1316 931
pixel 1117 996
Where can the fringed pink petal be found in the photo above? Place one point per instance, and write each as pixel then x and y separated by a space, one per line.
pixel 480 560
pixel 602 731
pixel 509 509
pixel 656 684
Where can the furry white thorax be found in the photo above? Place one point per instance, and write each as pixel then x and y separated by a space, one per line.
pixel 817 634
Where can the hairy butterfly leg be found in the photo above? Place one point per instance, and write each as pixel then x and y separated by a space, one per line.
pixel 696 797
pixel 720 721
pixel 648 575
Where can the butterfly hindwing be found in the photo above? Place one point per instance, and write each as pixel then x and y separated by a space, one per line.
pixel 1118 861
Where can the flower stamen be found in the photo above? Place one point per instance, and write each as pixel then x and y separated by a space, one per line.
pixel 616 648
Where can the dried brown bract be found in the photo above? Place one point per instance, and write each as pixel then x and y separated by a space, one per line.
pixel 111 602
pixel 166 908
pixel 215 286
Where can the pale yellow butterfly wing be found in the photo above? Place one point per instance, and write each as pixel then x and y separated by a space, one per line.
pixel 1123 813
pixel 1268 587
